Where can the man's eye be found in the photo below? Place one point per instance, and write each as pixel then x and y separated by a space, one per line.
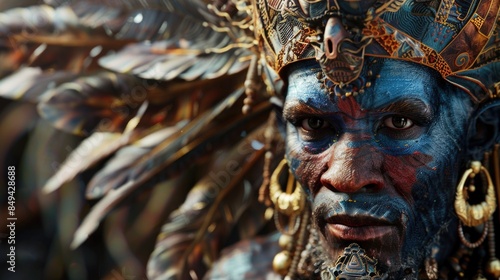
pixel 311 124
pixel 398 122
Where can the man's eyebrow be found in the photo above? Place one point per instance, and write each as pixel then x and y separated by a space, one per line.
pixel 296 109
pixel 413 108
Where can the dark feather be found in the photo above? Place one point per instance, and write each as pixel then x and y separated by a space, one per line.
pixel 93 149
pixel 179 39
pixel 172 154
pixel 93 103
pixel 191 8
pixel 125 158
pixel 132 145
pixel 31 83
pixel 112 198
pixel 144 62
pixel 39 21
pixel 210 212
pixel 10 4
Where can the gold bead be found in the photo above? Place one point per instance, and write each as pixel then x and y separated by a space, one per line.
pixel 248 100
pixel 480 277
pixel 284 240
pixel 494 268
pixel 476 167
pixel 246 109
pixel 282 262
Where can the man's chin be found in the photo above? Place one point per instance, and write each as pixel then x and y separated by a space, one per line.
pixel 381 244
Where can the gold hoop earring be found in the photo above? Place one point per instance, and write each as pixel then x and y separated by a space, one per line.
pixel 474 215
pixel 290 203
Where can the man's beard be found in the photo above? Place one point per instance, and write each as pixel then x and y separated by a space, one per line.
pixel 377 226
pixel 326 266
pixel 352 264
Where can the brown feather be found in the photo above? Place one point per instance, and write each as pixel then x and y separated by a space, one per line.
pixel 31 83
pixel 92 150
pixel 170 155
pixel 210 212
pixel 92 103
pixel 116 167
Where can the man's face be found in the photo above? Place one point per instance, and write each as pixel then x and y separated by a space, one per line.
pixel 380 168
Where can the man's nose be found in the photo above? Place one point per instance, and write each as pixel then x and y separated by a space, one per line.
pixel 354 165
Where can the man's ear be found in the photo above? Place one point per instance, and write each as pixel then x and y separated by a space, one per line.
pixel 484 129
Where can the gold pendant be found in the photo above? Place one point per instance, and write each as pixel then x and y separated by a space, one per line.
pixel 353 265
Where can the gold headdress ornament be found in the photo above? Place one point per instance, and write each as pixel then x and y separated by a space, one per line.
pixel 459 39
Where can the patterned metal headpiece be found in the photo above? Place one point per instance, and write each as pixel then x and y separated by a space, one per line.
pixel 459 39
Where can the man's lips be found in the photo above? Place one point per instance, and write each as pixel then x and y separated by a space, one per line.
pixel 359 228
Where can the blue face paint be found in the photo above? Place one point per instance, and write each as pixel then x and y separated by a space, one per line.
pixel 382 166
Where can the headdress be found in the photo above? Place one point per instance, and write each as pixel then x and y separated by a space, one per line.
pixel 459 39
pixel 156 88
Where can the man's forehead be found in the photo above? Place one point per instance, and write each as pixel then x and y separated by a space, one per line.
pixel 393 81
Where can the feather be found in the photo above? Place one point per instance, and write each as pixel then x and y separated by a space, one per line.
pixel 138 221
pixel 190 8
pixel 80 59
pixel 33 19
pixel 210 212
pixel 103 144
pixel 31 83
pixel 10 4
pixel 181 41
pixel 171 154
pixel 21 49
pixel 11 56
pixel 36 23
pixel 178 39
pixel 91 103
pixel 113 197
pixel 76 26
pixel 117 166
pixel 143 61
pixel 25 54
pixel 96 15
pixel 248 259
pixel 94 148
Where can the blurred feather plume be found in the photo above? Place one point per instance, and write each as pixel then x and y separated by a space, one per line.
pixel 154 89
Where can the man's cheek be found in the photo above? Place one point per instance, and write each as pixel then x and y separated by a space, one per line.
pixel 402 171
pixel 308 172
